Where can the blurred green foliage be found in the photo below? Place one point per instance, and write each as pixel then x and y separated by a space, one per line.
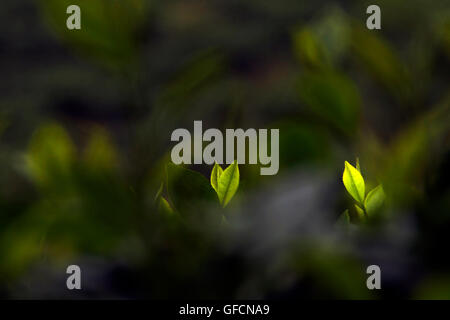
pixel 110 29
pixel 85 169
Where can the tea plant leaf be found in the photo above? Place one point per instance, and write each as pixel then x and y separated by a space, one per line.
pixel 228 183
pixel 374 199
pixel 188 189
pixel 224 222
pixel 332 97
pixel 50 156
pixel 360 213
pixel 309 50
pixel 354 182
pixel 164 207
pixel 100 153
pixel 357 165
pixel 215 176
pixel 382 62
pixel 162 204
pixel 344 218
pixel 159 192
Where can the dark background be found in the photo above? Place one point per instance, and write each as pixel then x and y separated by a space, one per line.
pixel 85 124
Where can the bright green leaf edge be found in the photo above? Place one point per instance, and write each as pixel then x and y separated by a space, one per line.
pixel 217 171
pixel 228 183
pixel 354 182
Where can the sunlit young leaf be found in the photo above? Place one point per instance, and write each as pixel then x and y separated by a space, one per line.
pixel 354 182
pixel 215 176
pixel 374 199
pixel 228 183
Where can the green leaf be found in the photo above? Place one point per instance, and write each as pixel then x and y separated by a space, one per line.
pixel 309 50
pixel 315 143
pixel 109 29
pixel 374 199
pixel 360 212
pixel 333 98
pixel 224 222
pixel 357 165
pixel 324 42
pixel 188 189
pixel 164 207
pixel 228 183
pixel 354 182
pixel 100 153
pixel 50 156
pixel 215 176
pixel 344 217
pixel 159 192
pixel 382 62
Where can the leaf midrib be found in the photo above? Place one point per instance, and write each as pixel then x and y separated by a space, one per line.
pixel 228 184
pixel 352 180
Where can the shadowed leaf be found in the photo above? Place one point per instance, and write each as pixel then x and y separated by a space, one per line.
pixel 187 188
pixel 374 199
pixel 333 98
pixel 360 213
